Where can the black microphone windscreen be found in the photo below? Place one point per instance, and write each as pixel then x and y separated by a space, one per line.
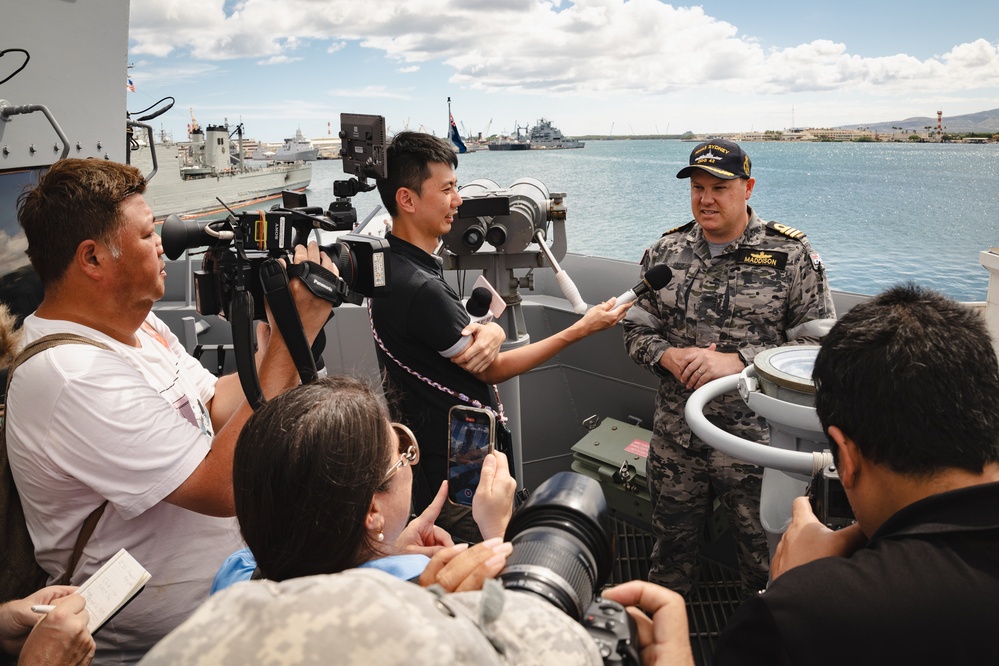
pixel 658 276
pixel 478 303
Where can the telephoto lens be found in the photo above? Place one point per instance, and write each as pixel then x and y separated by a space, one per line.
pixel 561 543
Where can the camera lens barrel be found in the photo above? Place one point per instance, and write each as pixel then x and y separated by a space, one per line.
pixel 561 543
pixel 554 565
pixel 339 254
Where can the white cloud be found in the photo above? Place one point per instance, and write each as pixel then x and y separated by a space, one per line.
pixel 278 60
pixel 369 92
pixel 980 56
pixel 587 47
pixel 146 71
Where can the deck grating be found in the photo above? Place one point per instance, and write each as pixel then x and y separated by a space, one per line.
pixel 712 601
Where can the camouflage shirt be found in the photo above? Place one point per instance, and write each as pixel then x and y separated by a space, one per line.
pixel 765 289
pixel 364 617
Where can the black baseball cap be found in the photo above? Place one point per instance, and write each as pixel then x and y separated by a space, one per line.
pixel 720 158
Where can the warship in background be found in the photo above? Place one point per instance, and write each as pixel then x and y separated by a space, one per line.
pixel 190 176
pixel 510 142
pixel 294 149
pixel 545 136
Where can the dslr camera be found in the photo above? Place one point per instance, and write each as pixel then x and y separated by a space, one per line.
pixel 562 552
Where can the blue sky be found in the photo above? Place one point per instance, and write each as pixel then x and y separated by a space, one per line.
pixel 592 66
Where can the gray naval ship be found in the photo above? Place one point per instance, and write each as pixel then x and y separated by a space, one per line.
pixel 190 176
pixel 294 149
pixel 588 409
pixel 545 136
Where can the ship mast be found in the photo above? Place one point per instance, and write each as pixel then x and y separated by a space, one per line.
pixel 193 127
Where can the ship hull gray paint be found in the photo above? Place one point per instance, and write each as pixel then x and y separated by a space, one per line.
pixel 168 193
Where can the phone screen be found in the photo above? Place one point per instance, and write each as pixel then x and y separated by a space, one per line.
pixel 470 441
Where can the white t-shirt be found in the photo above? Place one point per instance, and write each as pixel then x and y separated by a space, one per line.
pixel 129 425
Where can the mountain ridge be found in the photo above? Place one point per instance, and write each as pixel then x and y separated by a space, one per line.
pixel 982 121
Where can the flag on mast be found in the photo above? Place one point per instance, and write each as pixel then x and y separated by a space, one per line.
pixel 456 137
pixel 453 131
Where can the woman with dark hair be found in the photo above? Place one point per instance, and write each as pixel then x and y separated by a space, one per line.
pixel 322 483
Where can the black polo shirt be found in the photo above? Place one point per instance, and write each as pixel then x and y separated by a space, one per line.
pixel 422 317
pixel 925 590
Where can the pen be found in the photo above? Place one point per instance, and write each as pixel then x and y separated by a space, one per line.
pixel 42 608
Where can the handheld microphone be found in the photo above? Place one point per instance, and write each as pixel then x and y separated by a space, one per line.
pixel 655 279
pixel 477 305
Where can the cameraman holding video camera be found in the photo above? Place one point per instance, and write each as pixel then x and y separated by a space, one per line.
pixel 123 415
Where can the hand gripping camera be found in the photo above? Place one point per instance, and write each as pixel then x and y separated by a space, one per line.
pixel 562 552
pixel 240 269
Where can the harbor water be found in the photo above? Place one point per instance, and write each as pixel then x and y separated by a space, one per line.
pixel 877 213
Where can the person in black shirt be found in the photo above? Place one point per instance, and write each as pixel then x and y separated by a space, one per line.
pixel 423 318
pixel 907 389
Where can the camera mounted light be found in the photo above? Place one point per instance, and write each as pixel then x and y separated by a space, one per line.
pixel 363 145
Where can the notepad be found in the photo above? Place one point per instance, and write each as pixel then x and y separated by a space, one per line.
pixel 111 587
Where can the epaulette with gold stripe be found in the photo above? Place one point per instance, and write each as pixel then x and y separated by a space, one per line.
pixel 682 227
pixel 785 230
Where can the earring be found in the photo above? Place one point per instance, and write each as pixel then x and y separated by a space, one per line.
pixel 381 537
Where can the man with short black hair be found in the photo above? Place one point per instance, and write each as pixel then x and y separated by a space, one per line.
pixel 907 389
pixel 740 285
pixel 432 355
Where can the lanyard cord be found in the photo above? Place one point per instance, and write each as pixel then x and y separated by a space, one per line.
pixel 437 385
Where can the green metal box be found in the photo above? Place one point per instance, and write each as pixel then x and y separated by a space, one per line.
pixel 614 453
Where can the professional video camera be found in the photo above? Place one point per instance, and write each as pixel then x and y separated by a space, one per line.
pixel 238 246
pixel 562 552
pixel 241 252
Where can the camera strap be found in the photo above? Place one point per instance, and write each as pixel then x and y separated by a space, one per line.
pixel 498 413
pixel 324 283
pixel 243 345
pixel 276 287
pixel 274 279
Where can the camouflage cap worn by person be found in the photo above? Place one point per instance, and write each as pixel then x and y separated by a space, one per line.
pixel 719 157
pixel 364 616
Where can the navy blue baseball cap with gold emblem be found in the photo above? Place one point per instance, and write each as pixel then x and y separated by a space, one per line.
pixel 720 158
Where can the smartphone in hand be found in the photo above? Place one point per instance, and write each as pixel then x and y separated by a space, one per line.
pixel 472 435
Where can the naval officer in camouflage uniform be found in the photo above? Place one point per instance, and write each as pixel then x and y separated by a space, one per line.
pixel 739 286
